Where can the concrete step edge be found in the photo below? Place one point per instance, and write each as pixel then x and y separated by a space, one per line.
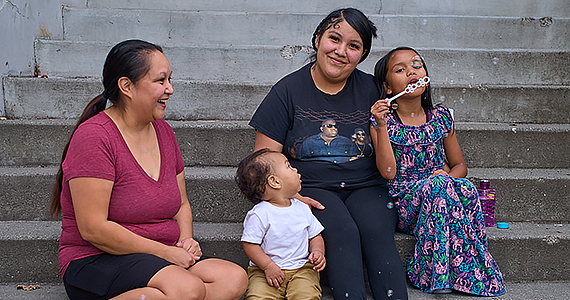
pixel 375 48
pixel 226 172
pixel 206 231
pixel 544 290
pixel 233 12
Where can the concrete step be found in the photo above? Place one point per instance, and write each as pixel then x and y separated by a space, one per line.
pixel 523 195
pixel 273 28
pixel 225 143
pixel 543 290
pixel 297 6
pixel 551 8
pixel 525 252
pixel 55 98
pixel 267 64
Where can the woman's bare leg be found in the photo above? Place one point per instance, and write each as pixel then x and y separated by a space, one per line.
pixel 171 282
pixel 224 280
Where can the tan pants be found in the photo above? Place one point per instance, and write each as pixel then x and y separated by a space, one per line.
pixel 299 284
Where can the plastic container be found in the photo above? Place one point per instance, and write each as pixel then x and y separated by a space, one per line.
pixel 487 199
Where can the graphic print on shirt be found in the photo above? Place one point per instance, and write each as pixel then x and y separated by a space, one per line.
pixel 323 139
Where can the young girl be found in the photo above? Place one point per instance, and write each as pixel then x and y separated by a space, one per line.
pixel 417 151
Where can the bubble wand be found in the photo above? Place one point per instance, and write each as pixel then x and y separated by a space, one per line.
pixel 408 90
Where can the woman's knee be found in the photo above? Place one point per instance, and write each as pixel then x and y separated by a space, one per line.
pixel 177 283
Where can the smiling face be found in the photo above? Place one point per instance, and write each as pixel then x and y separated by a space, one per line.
pixel 339 50
pixel 404 67
pixel 153 90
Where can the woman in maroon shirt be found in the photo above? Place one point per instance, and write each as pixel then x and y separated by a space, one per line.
pixel 126 219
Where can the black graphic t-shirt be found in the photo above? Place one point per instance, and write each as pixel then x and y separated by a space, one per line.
pixel 326 137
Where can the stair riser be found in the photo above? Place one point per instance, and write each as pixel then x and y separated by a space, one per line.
pixel 226 143
pixel 215 197
pixel 267 64
pixel 554 8
pixel 207 27
pixel 519 259
pixel 66 98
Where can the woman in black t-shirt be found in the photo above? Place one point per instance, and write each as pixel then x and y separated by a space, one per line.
pixel 310 115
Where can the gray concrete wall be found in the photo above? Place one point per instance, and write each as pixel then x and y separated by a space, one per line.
pixel 21 21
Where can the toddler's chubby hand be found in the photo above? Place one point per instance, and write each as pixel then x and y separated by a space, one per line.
pixel 318 259
pixel 379 110
pixel 274 275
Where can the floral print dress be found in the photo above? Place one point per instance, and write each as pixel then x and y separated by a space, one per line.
pixel 442 212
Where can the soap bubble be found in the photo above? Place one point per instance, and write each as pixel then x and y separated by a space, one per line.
pixel 461 100
pixel 346 295
pixel 389 293
pixel 495 60
pixel 471 75
pixel 390 205
pixel 452 81
pixel 389 169
pixel 425 21
pixel 394 105
pixel 463 91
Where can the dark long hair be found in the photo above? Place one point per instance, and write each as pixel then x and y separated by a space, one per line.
pixel 356 19
pixel 126 59
pixel 381 69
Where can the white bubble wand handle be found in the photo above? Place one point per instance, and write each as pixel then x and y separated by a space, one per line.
pixel 411 88
pixel 408 90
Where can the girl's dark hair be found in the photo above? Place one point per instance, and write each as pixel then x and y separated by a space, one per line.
pixel 356 19
pixel 381 69
pixel 252 173
pixel 126 59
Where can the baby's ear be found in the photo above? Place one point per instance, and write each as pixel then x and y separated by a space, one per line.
pixel 387 88
pixel 273 182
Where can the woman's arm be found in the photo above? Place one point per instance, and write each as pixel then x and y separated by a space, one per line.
pixel 184 220
pixel 458 168
pixel 91 198
pixel 263 141
pixel 385 161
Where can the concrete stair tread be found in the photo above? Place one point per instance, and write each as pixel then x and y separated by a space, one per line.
pixel 58 97
pixel 515 291
pixel 207 231
pixel 211 27
pixel 268 63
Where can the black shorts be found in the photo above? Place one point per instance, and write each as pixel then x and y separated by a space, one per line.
pixel 104 276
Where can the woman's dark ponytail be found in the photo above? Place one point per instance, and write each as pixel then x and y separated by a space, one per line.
pixel 126 59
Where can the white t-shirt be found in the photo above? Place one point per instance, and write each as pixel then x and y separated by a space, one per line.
pixel 282 232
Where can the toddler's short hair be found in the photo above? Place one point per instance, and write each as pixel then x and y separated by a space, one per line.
pixel 252 173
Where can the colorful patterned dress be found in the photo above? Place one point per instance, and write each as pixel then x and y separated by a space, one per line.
pixel 442 212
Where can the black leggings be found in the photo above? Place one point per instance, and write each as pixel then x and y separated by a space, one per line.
pixel 360 223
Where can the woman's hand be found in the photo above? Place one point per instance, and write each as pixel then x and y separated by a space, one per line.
pixel 379 110
pixel 191 246
pixel 179 256
pixel 274 275
pixel 309 201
